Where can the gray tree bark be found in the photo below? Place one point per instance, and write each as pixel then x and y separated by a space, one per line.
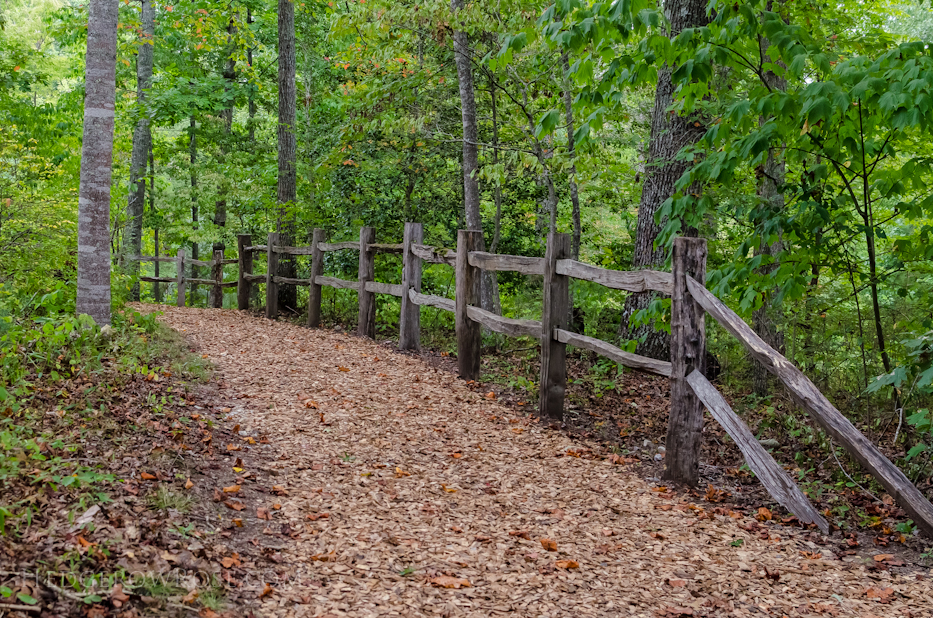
pixel 229 74
pixel 136 201
pixel 489 287
pixel 286 193
pixel 93 297
pixel 669 133
pixel 193 158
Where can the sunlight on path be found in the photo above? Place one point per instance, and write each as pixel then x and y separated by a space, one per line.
pixel 401 480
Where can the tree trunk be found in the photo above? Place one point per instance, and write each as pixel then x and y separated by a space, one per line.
pixel 251 121
pixel 771 176
pixel 193 158
pixel 229 75
pixel 288 174
pixel 136 202
pixel 93 296
pixel 489 287
pixel 669 133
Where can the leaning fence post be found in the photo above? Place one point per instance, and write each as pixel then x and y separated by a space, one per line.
pixel 409 336
pixel 366 320
pixel 180 277
pixel 217 274
pixel 688 352
pixel 272 265
pixel 244 268
pixel 467 293
pixel 156 286
pixel 554 315
pixel 317 269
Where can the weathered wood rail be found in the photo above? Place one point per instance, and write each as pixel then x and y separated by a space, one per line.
pixel 690 303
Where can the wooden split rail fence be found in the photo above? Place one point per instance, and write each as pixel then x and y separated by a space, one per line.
pixel 690 303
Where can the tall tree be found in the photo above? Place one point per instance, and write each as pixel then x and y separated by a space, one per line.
pixel 463 59
pixel 572 180
pixel 670 132
pixel 286 193
pixel 142 138
pixel 93 296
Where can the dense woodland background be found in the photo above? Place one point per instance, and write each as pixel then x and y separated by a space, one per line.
pixel 794 136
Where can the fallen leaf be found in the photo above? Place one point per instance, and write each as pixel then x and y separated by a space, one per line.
pixel 344 369
pixel 190 597
pixel 117 596
pixel 763 514
pixel 882 594
pixel 446 581
pixel 523 534
pixel 548 544
pixel 189 484
pixel 490 395
pixel 233 504
pixel 148 477
pixel 448 489
pixel 232 489
pixel 677 583
pixel 567 564
pixel 262 513
pixel 266 591
pixel 238 522
pixel 399 473
pixel 883 557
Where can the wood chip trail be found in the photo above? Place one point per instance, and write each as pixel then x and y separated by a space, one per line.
pixel 400 481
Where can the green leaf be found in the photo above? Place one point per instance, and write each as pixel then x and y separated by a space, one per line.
pixel 25 598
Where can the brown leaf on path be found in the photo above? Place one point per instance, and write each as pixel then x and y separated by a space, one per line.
pixel 548 544
pixel 883 595
pixel 567 564
pixel 232 489
pixel 448 489
pixel 262 513
pixel 238 522
pixel 446 581
pixel 231 561
pixel 148 477
pixel 763 514
pixel 208 613
pixel 490 395
pixel 344 369
pixel 521 534
pixel 884 557
pixel 677 583
pixel 190 597
pixel 234 504
pixel 189 484
pixel 268 590
pixel 399 473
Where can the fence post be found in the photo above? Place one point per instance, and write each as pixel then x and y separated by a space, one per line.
pixel 467 293
pixel 244 267
pixel 317 269
pixel 272 265
pixel 688 352
pixel 556 309
pixel 409 336
pixel 366 321
pixel 180 284
pixel 217 274
pixel 156 286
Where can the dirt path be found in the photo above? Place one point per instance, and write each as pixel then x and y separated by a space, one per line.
pixel 399 479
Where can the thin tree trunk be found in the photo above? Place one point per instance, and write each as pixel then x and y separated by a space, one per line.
pixel 136 201
pixel 229 75
pixel 193 158
pixel 93 295
pixel 771 176
pixel 669 134
pixel 286 194
pixel 250 123
pixel 157 287
pixel 489 287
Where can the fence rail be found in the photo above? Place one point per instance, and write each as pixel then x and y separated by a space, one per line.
pixel 691 392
